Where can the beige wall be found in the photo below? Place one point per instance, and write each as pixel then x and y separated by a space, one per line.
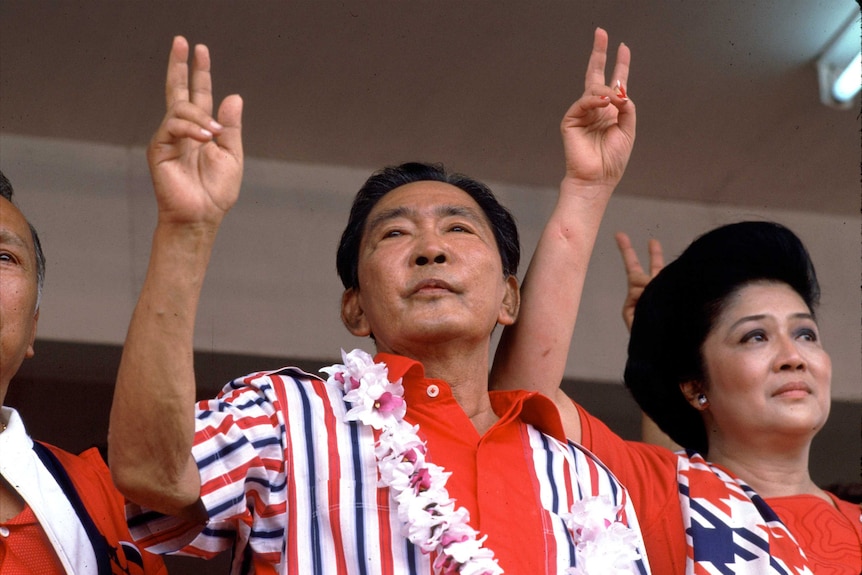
pixel 272 287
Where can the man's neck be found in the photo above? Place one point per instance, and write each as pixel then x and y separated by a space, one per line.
pixel 466 373
pixel 11 503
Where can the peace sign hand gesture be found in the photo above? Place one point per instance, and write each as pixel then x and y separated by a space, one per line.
pixel 636 277
pixel 196 162
pixel 599 128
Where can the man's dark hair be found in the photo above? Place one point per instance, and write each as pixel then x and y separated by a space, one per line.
pixel 6 191
pixel 384 181
pixel 678 307
pixel 5 187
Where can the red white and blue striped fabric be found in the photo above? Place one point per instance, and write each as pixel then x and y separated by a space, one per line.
pixel 299 494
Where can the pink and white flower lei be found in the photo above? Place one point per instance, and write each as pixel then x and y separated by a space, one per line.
pixel 603 544
pixel 428 515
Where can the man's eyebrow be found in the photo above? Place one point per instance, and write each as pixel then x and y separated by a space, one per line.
pixel 444 210
pixel 8 237
pixel 462 211
pixel 390 214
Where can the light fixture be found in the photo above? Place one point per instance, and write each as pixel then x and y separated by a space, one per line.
pixel 839 67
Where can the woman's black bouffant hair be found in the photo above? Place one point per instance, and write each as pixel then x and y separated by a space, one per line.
pixel 678 307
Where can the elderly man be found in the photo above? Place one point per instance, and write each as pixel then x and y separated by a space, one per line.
pixel 59 512
pixel 404 463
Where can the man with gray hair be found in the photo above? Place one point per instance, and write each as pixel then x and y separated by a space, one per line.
pixel 59 512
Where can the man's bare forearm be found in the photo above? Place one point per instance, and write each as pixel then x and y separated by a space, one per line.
pixel 152 418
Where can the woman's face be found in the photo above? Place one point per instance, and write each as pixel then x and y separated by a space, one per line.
pixel 768 376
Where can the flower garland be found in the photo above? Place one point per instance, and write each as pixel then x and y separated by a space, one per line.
pixel 428 515
pixel 603 544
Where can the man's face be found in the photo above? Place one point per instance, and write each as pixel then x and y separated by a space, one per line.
pixel 429 272
pixel 18 292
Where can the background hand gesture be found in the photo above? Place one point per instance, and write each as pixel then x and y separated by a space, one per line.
pixel 195 161
pixel 635 274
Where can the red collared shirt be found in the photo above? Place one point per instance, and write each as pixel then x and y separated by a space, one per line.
pixel 296 477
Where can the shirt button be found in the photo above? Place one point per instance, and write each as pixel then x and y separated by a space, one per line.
pixel 4 531
pixel 433 390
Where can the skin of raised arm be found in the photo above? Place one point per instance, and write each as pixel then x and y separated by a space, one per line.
pixel 598 133
pixel 196 165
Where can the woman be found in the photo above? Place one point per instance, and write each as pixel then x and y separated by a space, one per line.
pixel 725 356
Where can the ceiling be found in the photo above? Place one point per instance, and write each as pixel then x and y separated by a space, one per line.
pixel 726 92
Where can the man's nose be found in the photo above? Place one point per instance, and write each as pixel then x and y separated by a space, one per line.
pixel 430 249
pixel 422 260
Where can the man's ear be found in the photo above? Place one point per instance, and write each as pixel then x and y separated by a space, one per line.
pixel 352 314
pixel 692 390
pixel 30 350
pixel 511 302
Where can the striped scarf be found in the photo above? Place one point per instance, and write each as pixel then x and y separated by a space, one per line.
pixel 729 529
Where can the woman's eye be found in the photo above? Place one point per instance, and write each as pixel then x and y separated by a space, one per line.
pixel 807 334
pixel 6 257
pixel 755 336
pixel 393 234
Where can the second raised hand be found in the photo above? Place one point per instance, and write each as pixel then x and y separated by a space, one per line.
pixel 196 160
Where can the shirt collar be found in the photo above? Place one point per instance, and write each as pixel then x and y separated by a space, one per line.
pixel 15 433
pixel 529 406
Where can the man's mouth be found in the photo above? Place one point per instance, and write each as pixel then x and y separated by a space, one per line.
pixel 431 286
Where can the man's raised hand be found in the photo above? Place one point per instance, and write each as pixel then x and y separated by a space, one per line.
pixel 196 160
